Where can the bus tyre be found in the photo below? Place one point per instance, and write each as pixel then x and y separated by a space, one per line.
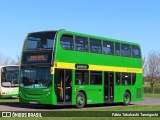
pixel 80 100
pixel 126 98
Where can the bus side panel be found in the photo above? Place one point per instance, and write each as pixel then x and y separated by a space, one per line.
pixel 118 97
pixel 120 90
pixel 9 92
pixel 138 87
pixel 77 57
pixel 135 90
pixel 94 94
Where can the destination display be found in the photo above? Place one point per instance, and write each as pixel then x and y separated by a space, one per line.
pixel 30 58
pixel 37 58
pixel 14 68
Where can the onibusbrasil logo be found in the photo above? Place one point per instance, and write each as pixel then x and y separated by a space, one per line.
pixel 21 114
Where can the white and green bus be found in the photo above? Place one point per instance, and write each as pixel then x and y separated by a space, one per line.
pixel 9 81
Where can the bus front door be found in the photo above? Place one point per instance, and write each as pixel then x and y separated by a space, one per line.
pixel 108 87
pixel 63 88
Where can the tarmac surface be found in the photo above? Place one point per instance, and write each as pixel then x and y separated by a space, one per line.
pixel 33 107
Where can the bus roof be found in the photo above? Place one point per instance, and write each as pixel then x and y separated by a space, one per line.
pixel 97 37
pixel 1 66
pixel 63 31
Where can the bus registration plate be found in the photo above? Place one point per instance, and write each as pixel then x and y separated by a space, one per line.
pixel 14 97
pixel 33 102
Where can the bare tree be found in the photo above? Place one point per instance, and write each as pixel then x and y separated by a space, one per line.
pixel 153 68
pixel 5 60
pixel 144 62
pixel 18 60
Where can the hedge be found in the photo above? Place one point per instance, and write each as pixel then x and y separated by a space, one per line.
pixel 149 90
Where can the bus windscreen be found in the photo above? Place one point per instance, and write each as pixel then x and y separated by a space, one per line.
pixel 10 76
pixel 40 40
pixel 37 77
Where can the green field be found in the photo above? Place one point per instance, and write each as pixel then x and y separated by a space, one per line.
pixel 6 100
pixel 109 108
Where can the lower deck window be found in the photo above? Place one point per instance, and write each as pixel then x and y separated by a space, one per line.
pixel 126 78
pixel 95 78
pixel 118 78
pixel 82 77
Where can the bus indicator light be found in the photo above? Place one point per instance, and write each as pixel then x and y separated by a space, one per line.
pixel 3 93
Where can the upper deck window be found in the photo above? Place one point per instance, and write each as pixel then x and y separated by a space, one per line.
pixel 125 50
pixel 95 46
pixel 67 42
pixel 81 44
pixel 40 40
pixel 108 47
pixel 117 49
pixel 136 52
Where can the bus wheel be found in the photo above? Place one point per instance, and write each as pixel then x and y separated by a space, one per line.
pixel 80 100
pixel 126 98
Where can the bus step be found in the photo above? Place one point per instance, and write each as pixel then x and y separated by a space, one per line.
pixel 107 96
pixel 64 103
pixel 108 101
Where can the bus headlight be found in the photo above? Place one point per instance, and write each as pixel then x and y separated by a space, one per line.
pixel 4 93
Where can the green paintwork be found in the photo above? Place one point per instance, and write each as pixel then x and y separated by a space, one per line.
pixel 94 93
pixel 93 58
pixel 12 94
pixel 9 96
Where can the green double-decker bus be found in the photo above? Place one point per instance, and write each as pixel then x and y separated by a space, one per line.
pixel 70 68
